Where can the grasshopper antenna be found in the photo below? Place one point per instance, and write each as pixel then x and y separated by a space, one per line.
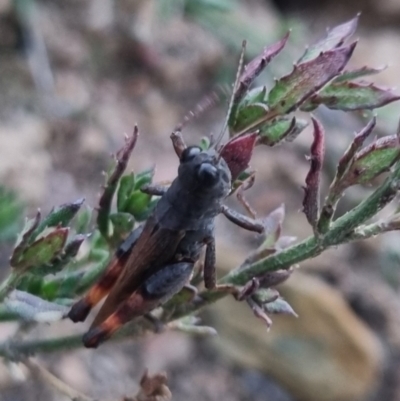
pixel 232 98
pixel 201 107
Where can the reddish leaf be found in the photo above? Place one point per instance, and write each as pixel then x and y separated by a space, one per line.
pixel 312 189
pixel 306 79
pixel 335 37
pixel 354 147
pixel 254 68
pixel 237 153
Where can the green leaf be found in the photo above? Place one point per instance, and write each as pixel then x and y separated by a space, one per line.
pixel 126 186
pixel 348 96
pixel 122 224
pixel 334 38
pixel 283 128
pixel 65 258
pixel 279 306
pixel 358 73
pixel 372 161
pixel 24 238
pixel 306 79
pixel 144 177
pixel 138 203
pixel 248 115
pixel 43 250
pixel 265 295
pixel 59 216
pixel 83 219
pixel 204 143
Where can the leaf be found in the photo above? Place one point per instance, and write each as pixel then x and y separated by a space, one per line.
pixel 59 216
pixel 255 66
pixel 70 251
pixel 256 95
pixel 279 306
pixel 334 38
pixel 282 128
pixel 356 144
pixel 358 73
pixel 32 308
pixel 348 96
pixel 247 115
pixel 126 186
pixel 137 204
pixel 204 143
pixel 237 153
pixel 83 219
pixel 265 295
pixel 311 201
pixel 307 78
pixel 144 177
pixel 372 161
pixel 273 227
pixel 122 222
pixel 24 239
pixel 43 250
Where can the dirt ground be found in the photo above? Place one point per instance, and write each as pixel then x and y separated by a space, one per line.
pixel 75 76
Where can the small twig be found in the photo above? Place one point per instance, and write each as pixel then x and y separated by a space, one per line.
pixel 55 382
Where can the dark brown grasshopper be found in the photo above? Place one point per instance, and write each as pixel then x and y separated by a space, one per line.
pixel 157 259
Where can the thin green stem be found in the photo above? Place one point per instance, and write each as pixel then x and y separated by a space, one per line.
pixel 9 284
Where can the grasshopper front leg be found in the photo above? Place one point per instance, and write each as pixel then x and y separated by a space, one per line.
pixel 82 308
pixel 155 189
pixel 155 290
pixel 241 220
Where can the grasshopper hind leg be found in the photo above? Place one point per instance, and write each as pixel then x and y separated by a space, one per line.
pixel 81 309
pixel 156 290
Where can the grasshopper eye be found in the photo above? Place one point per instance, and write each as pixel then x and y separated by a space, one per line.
pixel 207 173
pixel 190 153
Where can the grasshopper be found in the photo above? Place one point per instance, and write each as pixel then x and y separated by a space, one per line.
pixel 157 259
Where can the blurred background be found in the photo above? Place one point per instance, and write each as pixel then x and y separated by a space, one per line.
pixel 76 75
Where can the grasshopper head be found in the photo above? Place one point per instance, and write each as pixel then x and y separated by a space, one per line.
pixel 204 171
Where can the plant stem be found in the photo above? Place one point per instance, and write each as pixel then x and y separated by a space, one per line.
pixel 18 350
pixel 9 284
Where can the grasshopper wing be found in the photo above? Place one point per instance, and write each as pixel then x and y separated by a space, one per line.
pixel 154 248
